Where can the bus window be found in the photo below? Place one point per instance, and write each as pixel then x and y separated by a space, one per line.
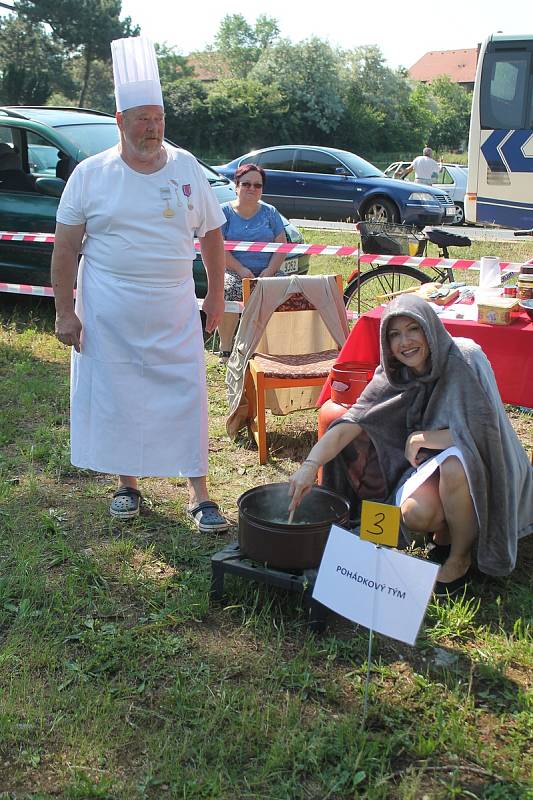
pixel 504 91
pixel 500 145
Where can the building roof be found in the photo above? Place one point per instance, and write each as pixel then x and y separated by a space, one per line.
pixel 208 66
pixel 459 65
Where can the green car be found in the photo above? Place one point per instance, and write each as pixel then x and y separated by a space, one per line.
pixel 39 148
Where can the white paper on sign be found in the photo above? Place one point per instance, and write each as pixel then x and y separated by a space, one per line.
pixel 424 471
pixel 379 588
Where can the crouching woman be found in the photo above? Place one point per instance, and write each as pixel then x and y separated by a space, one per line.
pixel 429 393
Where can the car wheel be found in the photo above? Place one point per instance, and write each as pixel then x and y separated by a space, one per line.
pixel 459 214
pixel 381 210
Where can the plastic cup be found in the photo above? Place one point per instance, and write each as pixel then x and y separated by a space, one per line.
pixel 489 272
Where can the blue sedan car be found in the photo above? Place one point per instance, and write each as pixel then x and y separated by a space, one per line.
pixel 326 183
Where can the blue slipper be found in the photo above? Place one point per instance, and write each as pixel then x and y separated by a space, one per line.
pixel 126 503
pixel 208 518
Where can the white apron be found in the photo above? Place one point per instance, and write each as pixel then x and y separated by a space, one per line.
pixel 138 393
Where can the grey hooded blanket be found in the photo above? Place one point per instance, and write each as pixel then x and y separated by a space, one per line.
pixel 458 392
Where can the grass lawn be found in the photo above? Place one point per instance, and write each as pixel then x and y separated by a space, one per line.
pixel 119 680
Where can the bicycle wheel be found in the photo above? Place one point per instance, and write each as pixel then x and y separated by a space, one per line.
pixel 368 289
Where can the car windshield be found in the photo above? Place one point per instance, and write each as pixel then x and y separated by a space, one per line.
pixel 212 176
pixel 359 167
pixel 91 138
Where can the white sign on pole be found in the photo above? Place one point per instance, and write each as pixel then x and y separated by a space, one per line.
pixel 382 589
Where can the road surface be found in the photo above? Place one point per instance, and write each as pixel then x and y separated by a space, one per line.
pixel 476 234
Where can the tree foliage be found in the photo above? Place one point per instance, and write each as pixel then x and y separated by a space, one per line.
pixel 83 26
pixel 451 115
pixel 31 63
pixel 266 90
pixel 186 112
pixel 172 66
pixel 242 44
pixel 308 79
pixel 254 112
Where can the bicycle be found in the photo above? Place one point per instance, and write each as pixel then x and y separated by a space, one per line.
pixel 365 290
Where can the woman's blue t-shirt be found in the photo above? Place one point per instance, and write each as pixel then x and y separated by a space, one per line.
pixel 264 226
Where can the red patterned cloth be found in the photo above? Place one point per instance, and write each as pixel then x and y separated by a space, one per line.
pixel 312 365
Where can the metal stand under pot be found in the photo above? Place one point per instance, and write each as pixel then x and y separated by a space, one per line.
pixel 276 553
pixel 232 560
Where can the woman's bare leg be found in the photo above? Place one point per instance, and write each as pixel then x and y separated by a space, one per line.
pixel 127 480
pixel 423 511
pixel 444 501
pixel 461 517
pixel 441 536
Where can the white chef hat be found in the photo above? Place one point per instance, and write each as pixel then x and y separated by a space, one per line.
pixel 135 72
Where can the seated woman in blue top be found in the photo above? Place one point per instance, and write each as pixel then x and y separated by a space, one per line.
pixel 248 219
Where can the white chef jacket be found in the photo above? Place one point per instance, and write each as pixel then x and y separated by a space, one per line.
pixel 138 394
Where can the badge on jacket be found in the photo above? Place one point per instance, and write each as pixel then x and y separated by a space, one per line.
pixel 187 191
pixel 168 212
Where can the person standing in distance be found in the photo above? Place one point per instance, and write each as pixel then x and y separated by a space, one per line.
pixel 138 385
pixel 425 167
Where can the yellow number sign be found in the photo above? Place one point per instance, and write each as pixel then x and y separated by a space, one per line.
pixel 380 523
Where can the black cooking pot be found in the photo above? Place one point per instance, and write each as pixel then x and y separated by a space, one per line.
pixel 266 536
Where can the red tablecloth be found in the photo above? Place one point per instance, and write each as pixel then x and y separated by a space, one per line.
pixel 509 349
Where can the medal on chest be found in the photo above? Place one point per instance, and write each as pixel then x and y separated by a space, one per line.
pixel 168 212
pixel 187 191
pixel 176 187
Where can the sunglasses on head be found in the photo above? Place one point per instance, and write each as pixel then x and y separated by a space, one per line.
pixel 248 185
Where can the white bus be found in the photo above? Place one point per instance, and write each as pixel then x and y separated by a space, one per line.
pixel 500 148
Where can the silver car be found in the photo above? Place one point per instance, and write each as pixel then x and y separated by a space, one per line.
pixel 452 178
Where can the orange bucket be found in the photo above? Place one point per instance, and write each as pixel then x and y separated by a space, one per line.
pixel 348 379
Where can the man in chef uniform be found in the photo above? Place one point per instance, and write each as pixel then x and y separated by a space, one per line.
pixel 138 387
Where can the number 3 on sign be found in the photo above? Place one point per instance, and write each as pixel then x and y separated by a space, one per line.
pixel 380 523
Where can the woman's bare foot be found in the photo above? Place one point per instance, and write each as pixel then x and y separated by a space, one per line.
pixel 453 568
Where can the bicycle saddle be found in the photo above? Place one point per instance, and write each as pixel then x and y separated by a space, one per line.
pixel 445 239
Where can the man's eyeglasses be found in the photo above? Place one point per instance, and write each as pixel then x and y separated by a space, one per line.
pixel 248 185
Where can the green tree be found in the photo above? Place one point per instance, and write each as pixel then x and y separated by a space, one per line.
pixel 451 104
pixel 31 64
pixel 379 112
pixel 186 113
pixel 242 44
pixel 248 113
pixel 100 92
pixel 307 75
pixel 172 66
pixel 85 27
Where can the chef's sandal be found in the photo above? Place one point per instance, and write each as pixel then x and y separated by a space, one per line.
pixel 208 518
pixel 126 503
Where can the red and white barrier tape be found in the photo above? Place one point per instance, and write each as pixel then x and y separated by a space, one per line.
pixel 18 236
pixel 233 306
pixel 308 249
pixel 24 288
